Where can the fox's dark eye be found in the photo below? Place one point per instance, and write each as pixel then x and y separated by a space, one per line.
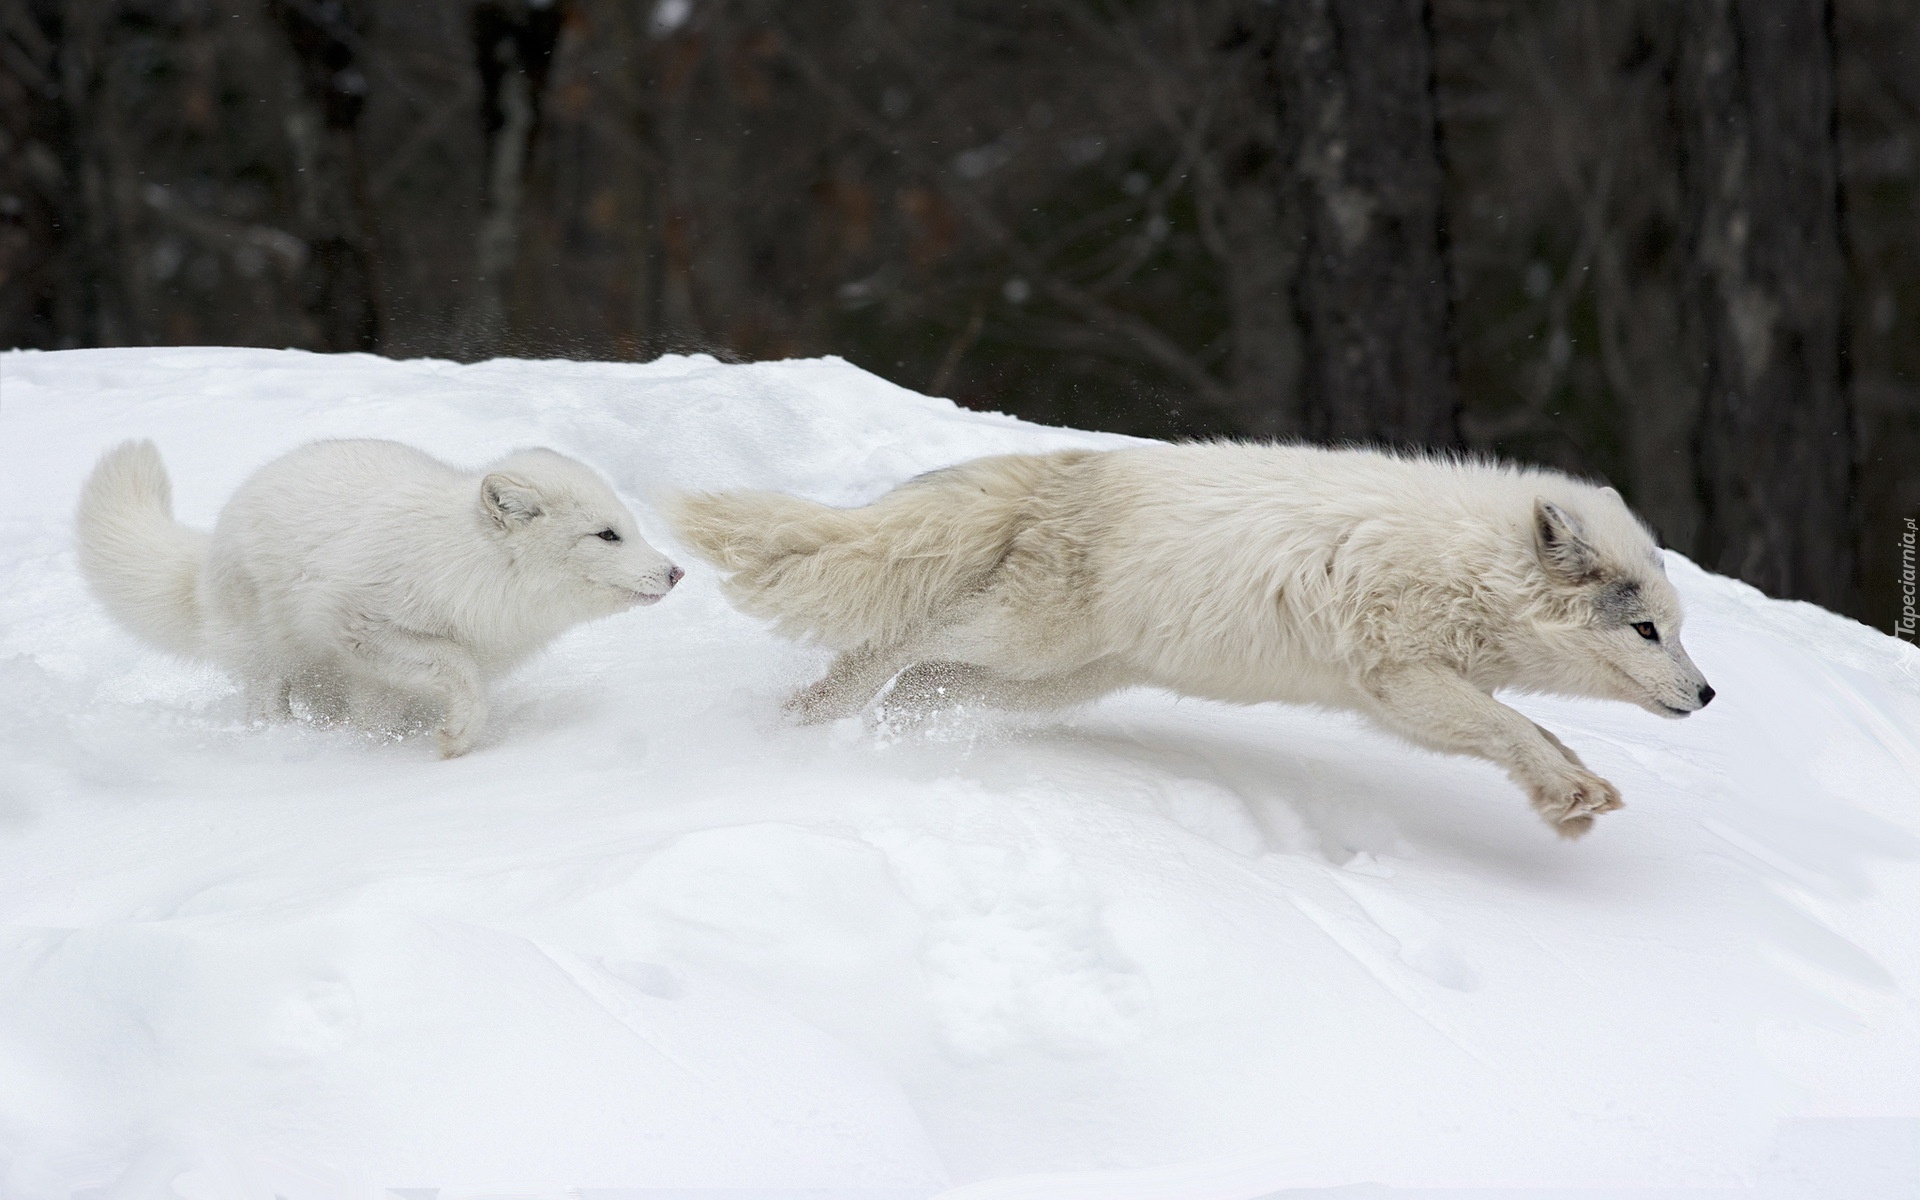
pixel 1646 630
pixel 608 535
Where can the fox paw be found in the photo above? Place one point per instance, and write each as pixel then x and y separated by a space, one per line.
pixel 1569 802
pixel 456 737
pixel 814 706
pixel 460 726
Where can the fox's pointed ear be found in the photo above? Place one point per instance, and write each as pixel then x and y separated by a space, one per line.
pixel 1563 549
pixel 508 501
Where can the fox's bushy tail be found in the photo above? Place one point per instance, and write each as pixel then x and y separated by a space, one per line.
pixel 850 577
pixel 142 564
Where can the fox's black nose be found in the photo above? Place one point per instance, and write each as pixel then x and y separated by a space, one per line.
pixel 675 575
pixel 1706 694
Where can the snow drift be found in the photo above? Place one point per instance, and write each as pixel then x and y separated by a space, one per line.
pixel 647 937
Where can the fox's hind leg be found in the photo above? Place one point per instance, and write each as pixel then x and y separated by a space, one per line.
pixel 852 680
pixel 930 686
pixel 269 700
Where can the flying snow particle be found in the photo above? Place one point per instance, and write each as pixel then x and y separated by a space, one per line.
pixel 1539 279
pixel 669 15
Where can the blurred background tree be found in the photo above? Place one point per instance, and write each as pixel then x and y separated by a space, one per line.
pixel 1669 244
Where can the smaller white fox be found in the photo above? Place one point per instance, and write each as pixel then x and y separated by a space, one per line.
pixel 362 576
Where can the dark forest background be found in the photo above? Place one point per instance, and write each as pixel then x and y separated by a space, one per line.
pixel 1669 244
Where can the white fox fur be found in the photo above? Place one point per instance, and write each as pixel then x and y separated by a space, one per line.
pixel 1406 588
pixel 361 576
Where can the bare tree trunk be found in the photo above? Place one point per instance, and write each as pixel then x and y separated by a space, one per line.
pixel 1372 290
pixel 513 43
pixel 631 290
pixel 344 297
pixel 100 304
pixel 1242 181
pixel 36 237
pixel 1775 443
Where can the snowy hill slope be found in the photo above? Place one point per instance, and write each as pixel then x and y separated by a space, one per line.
pixel 646 937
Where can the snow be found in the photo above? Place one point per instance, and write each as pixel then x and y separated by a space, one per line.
pixel 647 937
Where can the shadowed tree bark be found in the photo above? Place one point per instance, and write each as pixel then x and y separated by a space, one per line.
pixel 1774 444
pixel 344 297
pixel 513 43
pixel 69 156
pixel 36 231
pixel 1244 185
pixel 1371 292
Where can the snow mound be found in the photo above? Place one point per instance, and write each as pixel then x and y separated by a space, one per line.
pixel 646 937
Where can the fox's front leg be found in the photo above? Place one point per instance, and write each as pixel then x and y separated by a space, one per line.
pixel 1436 708
pixel 421 664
